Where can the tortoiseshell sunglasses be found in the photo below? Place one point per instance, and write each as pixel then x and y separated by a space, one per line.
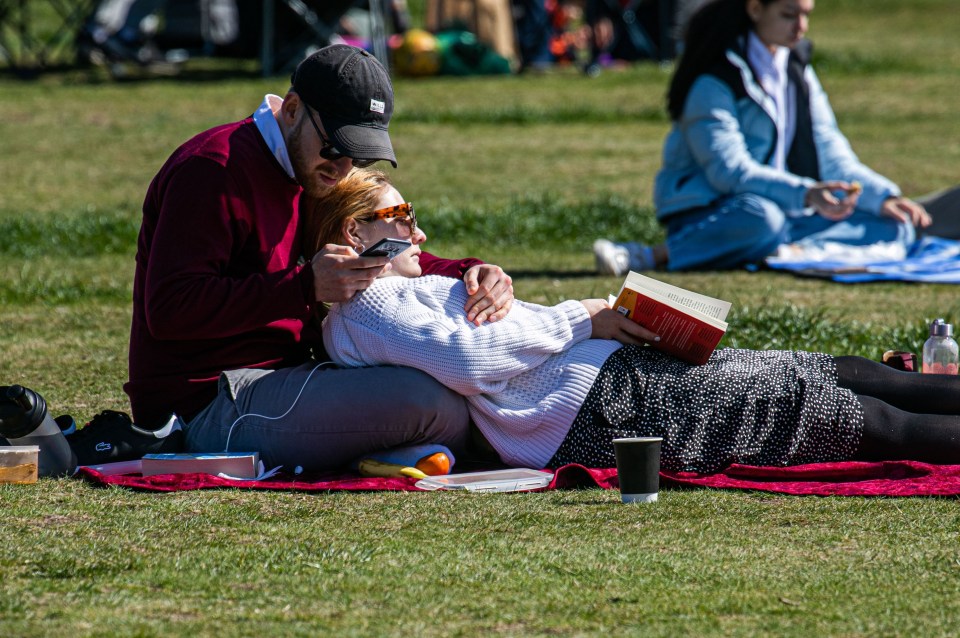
pixel 404 213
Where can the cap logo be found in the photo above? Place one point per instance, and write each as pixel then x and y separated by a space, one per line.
pixel 377 106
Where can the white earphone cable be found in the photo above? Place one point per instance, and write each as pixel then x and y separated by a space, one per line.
pixel 226 447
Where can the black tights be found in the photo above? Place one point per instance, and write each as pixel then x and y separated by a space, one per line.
pixel 906 415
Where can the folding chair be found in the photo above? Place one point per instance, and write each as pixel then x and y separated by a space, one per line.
pixel 25 49
pixel 320 19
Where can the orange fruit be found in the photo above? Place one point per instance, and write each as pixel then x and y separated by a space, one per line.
pixel 435 464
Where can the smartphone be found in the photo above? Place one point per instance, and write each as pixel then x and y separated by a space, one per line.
pixel 387 248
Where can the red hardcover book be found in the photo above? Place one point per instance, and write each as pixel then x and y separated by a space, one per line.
pixel 690 325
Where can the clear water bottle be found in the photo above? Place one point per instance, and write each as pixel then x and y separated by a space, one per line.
pixel 24 420
pixel 940 352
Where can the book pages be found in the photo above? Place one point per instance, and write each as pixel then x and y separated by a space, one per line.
pixel 716 308
pixel 688 324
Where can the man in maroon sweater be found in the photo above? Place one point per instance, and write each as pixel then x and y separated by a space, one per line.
pixel 221 331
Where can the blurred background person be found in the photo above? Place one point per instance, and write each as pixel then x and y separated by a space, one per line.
pixel 755 159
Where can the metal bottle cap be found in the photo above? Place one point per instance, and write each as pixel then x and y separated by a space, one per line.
pixel 941 329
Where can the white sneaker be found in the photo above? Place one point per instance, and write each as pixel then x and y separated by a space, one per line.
pixel 612 259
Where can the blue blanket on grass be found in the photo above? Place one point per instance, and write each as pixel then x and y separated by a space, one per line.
pixel 929 259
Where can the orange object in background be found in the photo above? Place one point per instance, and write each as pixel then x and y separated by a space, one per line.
pixel 434 465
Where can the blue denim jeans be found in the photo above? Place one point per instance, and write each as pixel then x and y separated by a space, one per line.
pixel 744 229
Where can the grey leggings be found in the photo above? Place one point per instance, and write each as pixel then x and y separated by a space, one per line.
pixel 328 417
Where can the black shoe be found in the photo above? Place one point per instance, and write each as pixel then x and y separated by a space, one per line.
pixel 111 436
pixel 66 424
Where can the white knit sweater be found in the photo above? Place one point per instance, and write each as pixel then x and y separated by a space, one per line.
pixel 524 377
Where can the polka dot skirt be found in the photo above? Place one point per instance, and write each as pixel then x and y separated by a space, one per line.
pixel 742 406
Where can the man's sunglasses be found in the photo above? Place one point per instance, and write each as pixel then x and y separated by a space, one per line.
pixel 328 151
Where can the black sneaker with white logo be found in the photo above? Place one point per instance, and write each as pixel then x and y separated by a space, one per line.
pixel 111 436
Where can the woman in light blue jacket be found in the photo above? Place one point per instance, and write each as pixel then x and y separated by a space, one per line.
pixel 755 159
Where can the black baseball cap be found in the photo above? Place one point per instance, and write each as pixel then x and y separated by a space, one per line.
pixel 351 92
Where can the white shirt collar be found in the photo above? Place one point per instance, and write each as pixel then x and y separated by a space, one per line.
pixel 772 66
pixel 266 120
pixel 771 70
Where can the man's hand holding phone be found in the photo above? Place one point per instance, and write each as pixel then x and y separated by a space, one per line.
pixel 339 273
pixel 387 248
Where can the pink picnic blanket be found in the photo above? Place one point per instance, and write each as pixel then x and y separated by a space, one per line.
pixel 887 478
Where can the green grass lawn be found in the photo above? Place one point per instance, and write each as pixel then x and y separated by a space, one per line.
pixel 524 172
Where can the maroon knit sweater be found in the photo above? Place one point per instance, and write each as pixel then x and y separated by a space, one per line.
pixel 218 285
